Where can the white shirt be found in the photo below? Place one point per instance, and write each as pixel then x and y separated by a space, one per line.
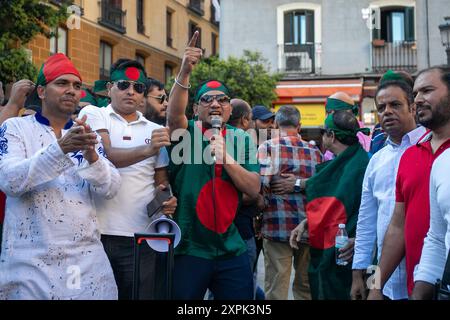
pixel 126 213
pixel 377 207
pixel 51 244
pixel 437 242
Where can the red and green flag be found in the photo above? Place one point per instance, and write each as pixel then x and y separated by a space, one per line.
pixel 333 197
pixel 207 198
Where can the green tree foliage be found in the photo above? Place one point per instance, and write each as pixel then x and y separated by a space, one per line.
pixel 21 20
pixel 247 77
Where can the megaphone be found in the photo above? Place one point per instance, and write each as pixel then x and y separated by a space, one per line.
pixel 163 225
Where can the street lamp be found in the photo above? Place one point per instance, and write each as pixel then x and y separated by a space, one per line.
pixel 445 35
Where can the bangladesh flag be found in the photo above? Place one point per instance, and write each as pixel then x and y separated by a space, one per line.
pixel 206 210
pixel 333 197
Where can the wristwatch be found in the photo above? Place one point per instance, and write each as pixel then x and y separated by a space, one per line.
pixel 297 185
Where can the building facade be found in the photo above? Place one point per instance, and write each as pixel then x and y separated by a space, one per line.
pixel 155 32
pixel 322 46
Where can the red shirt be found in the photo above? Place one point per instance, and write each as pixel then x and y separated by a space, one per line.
pixel 412 188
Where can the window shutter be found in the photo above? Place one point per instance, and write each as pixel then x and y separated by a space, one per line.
pixel 288 36
pixel 409 24
pixel 309 26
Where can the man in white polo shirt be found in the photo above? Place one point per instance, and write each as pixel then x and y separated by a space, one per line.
pixel 136 147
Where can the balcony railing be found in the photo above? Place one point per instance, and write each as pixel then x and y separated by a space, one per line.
pixel 112 17
pixel 400 55
pixel 197 6
pixel 297 59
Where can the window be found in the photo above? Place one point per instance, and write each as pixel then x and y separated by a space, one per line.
pixel 213 44
pixel 168 72
pixel 192 28
pixel 197 6
pixel 141 59
pixel 169 40
pixel 113 16
pixel 140 16
pixel 397 24
pixel 105 60
pixel 58 43
pixel 214 11
pixel 299 27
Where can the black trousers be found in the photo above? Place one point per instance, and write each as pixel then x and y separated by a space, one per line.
pixel 120 251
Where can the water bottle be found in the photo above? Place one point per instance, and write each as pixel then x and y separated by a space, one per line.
pixel 341 241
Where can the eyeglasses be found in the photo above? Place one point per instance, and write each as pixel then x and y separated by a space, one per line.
pixel 161 98
pixel 137 86
pixel 222 99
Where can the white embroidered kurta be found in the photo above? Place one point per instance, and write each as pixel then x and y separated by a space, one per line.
pixel 51 245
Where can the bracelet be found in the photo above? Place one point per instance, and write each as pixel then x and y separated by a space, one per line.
pixel 184 87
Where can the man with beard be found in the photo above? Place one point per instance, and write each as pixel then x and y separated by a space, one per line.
pixel 264 123
pixel 155 104
pixel 437 242
pixel 396 111
pixel 411 217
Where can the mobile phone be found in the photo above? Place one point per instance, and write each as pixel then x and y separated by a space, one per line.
pixel 156 204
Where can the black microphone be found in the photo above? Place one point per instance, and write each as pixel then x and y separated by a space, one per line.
pixel 216 124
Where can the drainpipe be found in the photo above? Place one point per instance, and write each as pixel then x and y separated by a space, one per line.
pixel 428 35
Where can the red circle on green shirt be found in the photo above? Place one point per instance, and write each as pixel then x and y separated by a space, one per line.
pixel 83 94
pixel 226 202
pixel 324 214
pixel 132 73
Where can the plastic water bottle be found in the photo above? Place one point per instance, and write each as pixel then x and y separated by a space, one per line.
pixel 341 241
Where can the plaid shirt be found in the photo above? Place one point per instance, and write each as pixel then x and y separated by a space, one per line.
pixel 287 154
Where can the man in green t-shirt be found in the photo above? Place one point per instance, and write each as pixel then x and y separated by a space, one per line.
pixel 210 170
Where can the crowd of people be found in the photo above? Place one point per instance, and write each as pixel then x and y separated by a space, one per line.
pixel 79 166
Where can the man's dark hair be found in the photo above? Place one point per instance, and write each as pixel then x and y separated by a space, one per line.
pixel 445 74
pixel 287 116
pixel 346 121
pixel 153 83
pixel 240 109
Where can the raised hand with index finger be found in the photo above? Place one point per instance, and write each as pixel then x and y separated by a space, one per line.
pixel 192 55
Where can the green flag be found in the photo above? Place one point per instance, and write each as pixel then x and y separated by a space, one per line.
pixel 333 197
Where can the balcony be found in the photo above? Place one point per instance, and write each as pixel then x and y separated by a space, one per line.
pixel 197 6
pixel 399 55
pixel 112 17
pixel 295 59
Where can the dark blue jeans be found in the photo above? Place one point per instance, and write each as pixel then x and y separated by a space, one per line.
pixel 120 251
pixel 228 279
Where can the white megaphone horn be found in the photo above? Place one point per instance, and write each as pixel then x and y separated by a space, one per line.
pixel 163 225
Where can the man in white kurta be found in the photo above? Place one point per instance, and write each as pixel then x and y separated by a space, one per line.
pixel 51 245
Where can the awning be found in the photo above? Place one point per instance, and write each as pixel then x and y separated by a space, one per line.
pixel 316 91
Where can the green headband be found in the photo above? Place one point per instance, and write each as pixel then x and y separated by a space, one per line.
pixel 336 104
pixel 392 76
pixel 341 133
pixel 211 86
pixel 130 74
pixel 86 96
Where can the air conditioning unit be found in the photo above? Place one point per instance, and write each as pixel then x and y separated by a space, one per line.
pixel 298 61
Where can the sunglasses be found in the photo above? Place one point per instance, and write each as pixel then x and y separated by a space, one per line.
pixel 137 86
pixel 222 99
pixel 161 98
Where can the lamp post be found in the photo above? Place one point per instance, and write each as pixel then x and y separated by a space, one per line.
pixel 445 36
